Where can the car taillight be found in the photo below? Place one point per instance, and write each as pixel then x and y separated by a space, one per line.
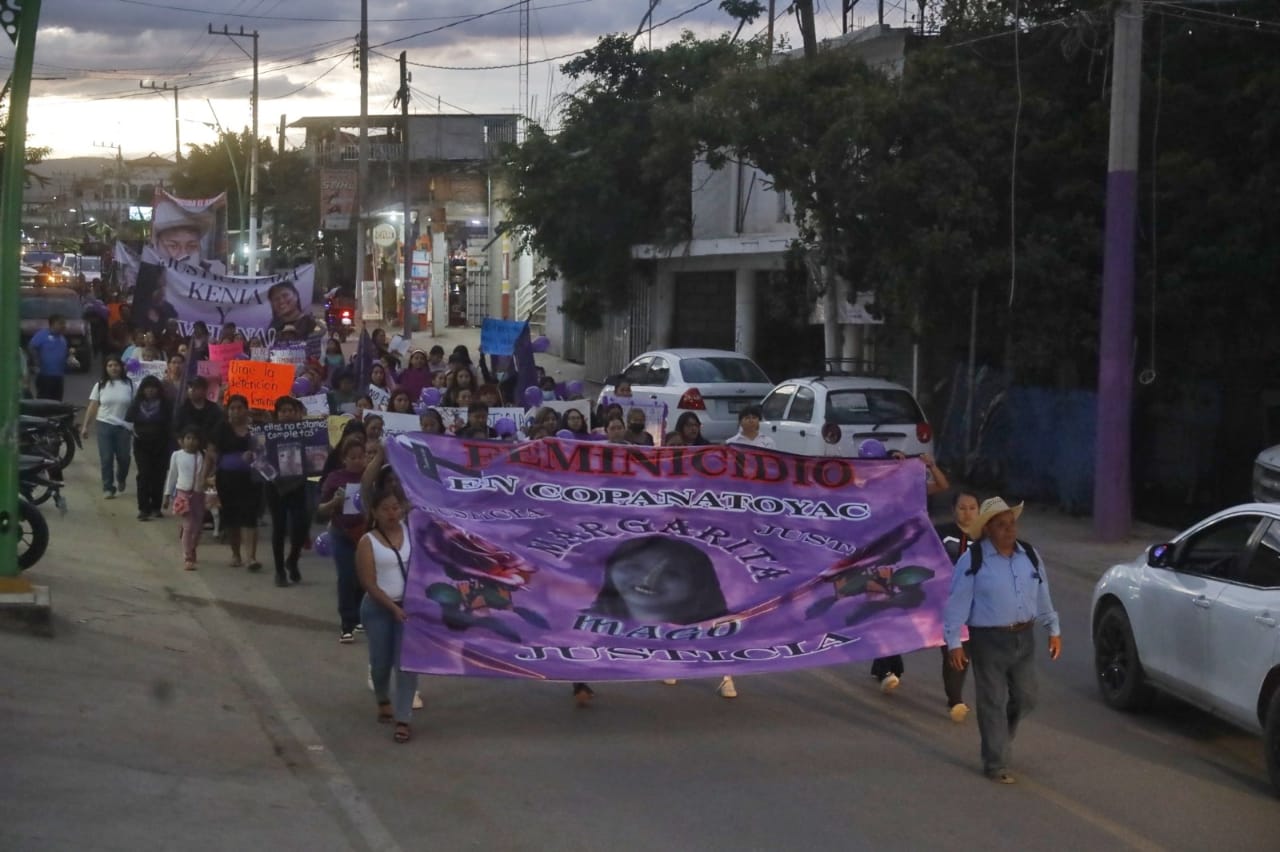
pixel 346 313
pixel 924 432
pixel 692 400
pixel 831 433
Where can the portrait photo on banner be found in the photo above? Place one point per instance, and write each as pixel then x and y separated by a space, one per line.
pixel 576 560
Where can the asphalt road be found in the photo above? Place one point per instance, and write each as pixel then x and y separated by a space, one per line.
pixel 215 711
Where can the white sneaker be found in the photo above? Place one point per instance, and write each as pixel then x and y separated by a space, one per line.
pixel 417 701
pixel 370 681
pixel 670 681
pixel 726 689
pixel 889 683
pixel 958 712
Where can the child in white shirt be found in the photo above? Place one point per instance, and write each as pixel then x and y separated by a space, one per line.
pixel 184 490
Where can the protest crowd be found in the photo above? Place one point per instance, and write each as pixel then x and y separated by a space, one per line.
pixel 235 425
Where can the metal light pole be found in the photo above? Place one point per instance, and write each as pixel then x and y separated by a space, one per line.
pixel 10 255
pixel 1112 492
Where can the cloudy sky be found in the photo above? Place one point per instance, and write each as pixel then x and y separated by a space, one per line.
pixel 92 54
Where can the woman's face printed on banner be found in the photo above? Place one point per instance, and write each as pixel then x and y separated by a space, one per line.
pixel 660 580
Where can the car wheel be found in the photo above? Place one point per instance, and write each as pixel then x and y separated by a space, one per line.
pixel 1121 680
pixel 1271 740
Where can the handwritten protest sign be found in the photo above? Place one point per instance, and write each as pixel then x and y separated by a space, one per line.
pixel 316 404
pixel 498 337
pixel 213 391
pixel 152 368
pixel 399 424
pixel 380 397
pixel 262 384
pixel 296 449
pixel 225 351
pixel 214 371
pixel 288 353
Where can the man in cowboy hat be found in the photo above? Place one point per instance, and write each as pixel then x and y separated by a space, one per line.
pixel 1000 591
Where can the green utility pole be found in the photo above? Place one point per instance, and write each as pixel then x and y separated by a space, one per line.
pixel 23 33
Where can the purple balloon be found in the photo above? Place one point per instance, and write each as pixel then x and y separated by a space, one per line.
pixel 532 396
pixel 565 434
pixel 505 427
pixel 872 448
pixel 302 386
pixel 541 343
pixel 420 408
pixel 133 365
pixel 574 388
pixel 323 545
pixel 430 396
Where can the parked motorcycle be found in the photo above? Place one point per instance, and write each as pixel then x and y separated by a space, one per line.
pixel 50 427
pixel 339 314
pixel 37 481
pixel 33 534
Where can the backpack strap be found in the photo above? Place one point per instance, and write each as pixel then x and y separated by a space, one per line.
pixel 975 559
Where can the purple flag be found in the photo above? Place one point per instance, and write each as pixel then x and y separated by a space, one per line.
pixel 364 359
pixel 576 560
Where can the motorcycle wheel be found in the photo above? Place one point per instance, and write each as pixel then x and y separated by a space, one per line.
pixel 67 451
pixel 33 535
pixel 37 493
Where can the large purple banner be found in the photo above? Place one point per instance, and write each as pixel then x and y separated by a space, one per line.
pixel 568 560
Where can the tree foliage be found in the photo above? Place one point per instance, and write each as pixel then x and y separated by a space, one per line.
pixel 616 174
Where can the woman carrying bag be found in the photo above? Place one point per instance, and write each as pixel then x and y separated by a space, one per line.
pixel 382 565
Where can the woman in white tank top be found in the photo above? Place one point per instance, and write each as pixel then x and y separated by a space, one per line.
pixel 382 564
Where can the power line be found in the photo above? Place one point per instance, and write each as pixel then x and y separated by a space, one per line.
pixel 498 67
pixel 310 20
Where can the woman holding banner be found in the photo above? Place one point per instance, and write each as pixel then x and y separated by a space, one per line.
pixel 230 453
pixel 287 502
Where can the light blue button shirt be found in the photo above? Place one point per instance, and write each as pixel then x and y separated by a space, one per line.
pixel 1004 591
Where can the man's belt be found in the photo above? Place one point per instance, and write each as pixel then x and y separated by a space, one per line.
pixel 1007 628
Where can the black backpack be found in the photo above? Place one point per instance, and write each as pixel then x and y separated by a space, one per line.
pixel 975 559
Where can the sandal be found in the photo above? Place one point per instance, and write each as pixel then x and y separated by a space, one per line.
pixel 189 566
pixel 402 734
pixel 237 562
pixel 384 713
pixel 255 566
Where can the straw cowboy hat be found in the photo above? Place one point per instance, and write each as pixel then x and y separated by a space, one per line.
pixel 168 214
pixel 990 507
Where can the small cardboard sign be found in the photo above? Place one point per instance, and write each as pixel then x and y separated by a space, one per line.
pixel 316 404
pixel 225 351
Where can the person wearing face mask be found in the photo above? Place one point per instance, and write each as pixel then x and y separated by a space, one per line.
pixel 636 424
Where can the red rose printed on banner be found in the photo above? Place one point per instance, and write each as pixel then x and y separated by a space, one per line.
pixel 485 576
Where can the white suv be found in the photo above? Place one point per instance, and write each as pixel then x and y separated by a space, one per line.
pixel 832 415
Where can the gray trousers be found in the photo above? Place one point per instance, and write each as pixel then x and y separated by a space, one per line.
pixel 1004 678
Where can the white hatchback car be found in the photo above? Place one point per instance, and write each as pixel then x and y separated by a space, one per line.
pixel 715 384
pixel 832 415
pixel 1197 617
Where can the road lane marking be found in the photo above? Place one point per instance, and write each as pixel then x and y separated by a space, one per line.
pixel 1077 809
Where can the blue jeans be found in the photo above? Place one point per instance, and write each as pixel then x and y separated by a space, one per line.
pixel 349 591
pixel 384 634
pixel 115 444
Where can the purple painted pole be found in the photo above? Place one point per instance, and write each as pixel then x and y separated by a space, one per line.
pixel 1112 491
